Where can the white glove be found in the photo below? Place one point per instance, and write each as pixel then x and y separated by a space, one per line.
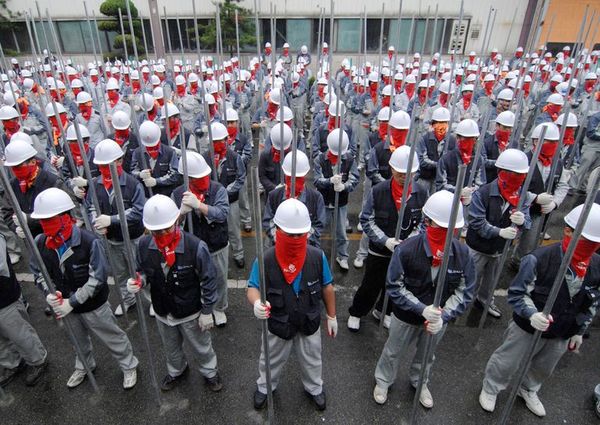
pixel 466 200
pixel 544 198
pixel 434 327
pixel 517 218
pixel 466 192
pixel 20 233
pixel 60 306
pixel 391 243
pixel 16 220
pixel 539 322
pixel 332 326
pixel 79 181
pixel 508 233
pixel 57 161
pixel 339 187
pixel 263 124
pixel 79 192
pixel 432 314
pixel 184 209
pixel 262 311
pixel 335 179
pixel 150 182
pixel 177 150
pixel 204 128
pixel 279 185
pixel 134 285
pixel 206 322
pixel 190 200
pixel 102 222
pixel 575 342
pixel 145 174
pixel 548 208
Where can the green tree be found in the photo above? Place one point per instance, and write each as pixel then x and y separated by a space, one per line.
pixel 208 33
pixel 111 8
pixel 8 23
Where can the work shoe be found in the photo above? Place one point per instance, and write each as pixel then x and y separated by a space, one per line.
pixel 151 311
pixel 386 321
pixel 220 318
pixel 380 394
pixel 8 375
pixel 119 309
pixel 239 262
pixel 247 227
pixel 34 373
pixel 547 236
pixel 425 398
pixel 14 258
pixel 342 262
pixel 129 378
pixel 487 401
pixel 318 400
pixel 169 382
pixel 76 378
pixel 359 227
pixel 214 384
pixel 260 400
pixel 494 311
pixel 532 402
pixel 358 262
pixel 353 323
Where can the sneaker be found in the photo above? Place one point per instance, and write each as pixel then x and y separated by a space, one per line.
pixel 342 262
pixel 151 311
pixel 318 400
pixel 494 311
pixel 34 373
pixel 358 262
pixel 532 402
pixel 214 384
pixel 119 309
pixel 380 394
pixel 425 398
pixel 220 318
pixel 169 382
pixel 14 258
pixel 129 378
pixel 359 227
pixel 487 401
pixel 463 232
pixel 76 378
pixel 547 236
pixel 8 375
pixel 260 400
pixel 239 262
pixel 354 323
pixel 247 227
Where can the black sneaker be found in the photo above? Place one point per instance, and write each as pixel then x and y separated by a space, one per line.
pixel 214 384
pixel 7 375
pixel 169 381
pixel 318 400
pixel 247 227
pixel 239 262
pixel 260 400
pixel 34 373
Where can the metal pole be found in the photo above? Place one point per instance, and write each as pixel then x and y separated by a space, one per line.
pixel 426 28
pixel 512 21
pixel 445 23
pixel 434 27
pixel 487 27
pixel 380 41
pixel 237 37
pixel 37 6
pixel 143 33
pixel 219 56
pixel 132 34
pixel 168 36
pixel 123 34
pixel 336 202
pixel 487 45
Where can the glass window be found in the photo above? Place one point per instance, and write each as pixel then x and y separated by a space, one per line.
pixel 45 36
pixel 299 33
pixel 71 36
pixel 373 32
pixel 400 43
pixel 348 35
pixel 324 34
pixel 280 33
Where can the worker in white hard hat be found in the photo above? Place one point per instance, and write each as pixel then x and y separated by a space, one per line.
pixel 544 202
pixel 54 147
pixel 444 100
pixel 244 97
pixel 297 93
pixel 495 144
pixel 113 99
pixel 336 112
pixel 266 56
pixel 293 321
pixel 176 265
pixel 266 117
pixel 410 285
pixel 379 218
pixel 589 157
pixel 76 262
pixel 362 107
pixel 494 219
pixel 465 107
pixel 551 109
pixel 187 103
pixel 90 117
pixel 106 221
pixel 304 54
pixel 78 183
pixel 563 329
pixel 517 59
pixel 269 160
pixel 334 172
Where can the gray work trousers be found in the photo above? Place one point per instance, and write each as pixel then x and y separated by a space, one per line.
pixel 102 323
pixel 18 339
pixel 12 241
pixel 199 343
pixel 486 267
pixel 363 246
pixel 401 337
pixel 220 259
pixel 589 160
pixel 527 239
pixel 308 352
pixel 234 231
pixel 341 238
pixel 245 214
pixel 507 358
pixel 121 272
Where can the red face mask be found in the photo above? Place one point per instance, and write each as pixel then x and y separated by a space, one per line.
pixel 105 173
pixel 569 136
pixel 272 110
pixel 121 136
pixel 397 190
pixel 422 95
pixel 518 54
pixel 385 101
pixel 398 86
pixel 553 110
pixel 559 67
pixel 268 50
pixel 471 59
pixel 398 137
pixel 325 50
pixel 276 154
pixel 94 79
pixel 465 148
pixel 467 97
pixel 373 86
pixel 321 90
pixel 436 236
pixel 181 90
pixel 509 184
pixel 458 80
pixel 503 136
pixel 552 86
pixel 55 96
pixel 489 86
pixel 86 110
pixel 152 113
pixel 439 130
pixel 582 254
pixel 76 152
pixel 174 125
pixel 290 253
pixel 25 174
pixel 331 123
pixel 443 99
pixel 166 244
pixel 220 149
pixel 288 186
pixel 194 87
pixel 153 151
pixel 526 88
pixel 588 85
pixel 127 79
pixel 199 186
pixel 113 96
pixel 57 230
pixel 386 79
pixel 383 128
pixel 231 134
pixel 333 158
pixel 547 153
pixel 11 127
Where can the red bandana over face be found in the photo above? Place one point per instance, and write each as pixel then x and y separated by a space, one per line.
pixel 436 236
pixel 333 158
pixel 25 174
pixel 582 255
pixel 503 136
pixel 77 156
pixel 569 138
pixel 199 186
pixel 547 153
pixel 166 244
pixel 509 184
pixel 397 193
pixel 106 177
pixel 153 151
pixel 57 230
pixel 290 252
pixel 288 186
pixel 465 148
pixel 397 138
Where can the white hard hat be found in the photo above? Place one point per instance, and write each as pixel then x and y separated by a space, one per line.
pixel 292 217
pixel 17 152
pixel 154 80
pixel 51 202
pixel 591 228
pixel 146 101
pixel 552 132
pixel 286 46
pixel 50 110
pixel 8 113
pixel 218 131
pixel 555 99
pixel 196 165
pixel 20 135
pixel 287 114
pixel 302 164
pixel 445 87
pixel 387 90
pixel 76 83
pixel 275 96
pixel 192 77
pixel 304 49
pixel 557 78
pixel 276 136
pixel 106 152
pixel 180 80
pixel 333 109
pixel 333 141
pixel 112 84
pixel 506 118
pixel 158 93
pixel 505 94
pixel 571 120
pixel 120 120
pixel 467 87
pixel 513 160
pixel 72 134
pixel 232 115
pixel 441 115
pixel 384 114
pixel 467 128
pixel 9 99
pixel 399 160
pixel 209 99
pixel 373 76
pixel 400 120
pixel 83 97
pixel 160 212
pixel 169 110
pixel 149 133
pixel 439 206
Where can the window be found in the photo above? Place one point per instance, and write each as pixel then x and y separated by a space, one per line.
pixel 71 37
pixel 299 33
pixel 349 35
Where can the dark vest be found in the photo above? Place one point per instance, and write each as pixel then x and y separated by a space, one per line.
pixel 426 171
pixel 228 173
pixel 179 293
pixel 269 171
pixel 383 156
pixel 130 145
pixel 161 168
pixel 328 171
pixel 291 313
pixel 452 160
pixel 75 271
pixel 538 186
pixel 10 289
pixel 213 234
pixel 566 311
pixel 492 152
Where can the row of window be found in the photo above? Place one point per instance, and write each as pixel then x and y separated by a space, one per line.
pixel 428 35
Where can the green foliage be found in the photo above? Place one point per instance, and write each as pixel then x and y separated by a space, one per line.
pixel 111 8
pixel 7 17
pixel 118 44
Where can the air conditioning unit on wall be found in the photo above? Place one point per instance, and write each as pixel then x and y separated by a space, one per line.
pixel 458 36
